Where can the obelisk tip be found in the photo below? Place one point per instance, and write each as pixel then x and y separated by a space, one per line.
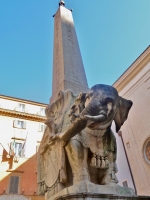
pixel 61 3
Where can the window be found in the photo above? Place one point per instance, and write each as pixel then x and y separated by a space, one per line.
pixel 42 111
pixel 19 124
pixel 21 107
pixel 41 127
pixel 14 184
pixel 125 183
pixel 16 149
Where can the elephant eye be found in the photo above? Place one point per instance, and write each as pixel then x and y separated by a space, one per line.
pixel 109 100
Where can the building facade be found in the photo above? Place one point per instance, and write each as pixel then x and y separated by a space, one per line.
pixel 134 84
pixel 22 126
pixel 124 173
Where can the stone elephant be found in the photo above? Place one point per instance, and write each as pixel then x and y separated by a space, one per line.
pixel 87 139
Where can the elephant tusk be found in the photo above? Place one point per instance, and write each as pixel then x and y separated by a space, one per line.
pixel 98 118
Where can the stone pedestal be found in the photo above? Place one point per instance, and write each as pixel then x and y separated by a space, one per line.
pixel 89 191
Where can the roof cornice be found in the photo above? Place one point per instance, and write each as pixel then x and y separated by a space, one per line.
pixel 23 100
pixel 133 70
pixel 22 115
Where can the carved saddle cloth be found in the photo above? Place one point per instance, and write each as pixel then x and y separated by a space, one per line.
pixel 99 143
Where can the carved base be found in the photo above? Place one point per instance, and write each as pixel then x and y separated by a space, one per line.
pixel 89 191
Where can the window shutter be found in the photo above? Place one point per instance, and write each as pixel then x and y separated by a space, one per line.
pixel 41 127
pixel 19 149
pixel 21 107
pixel 125 184
pixel 24 125
pixel 16 183
pixel 22 152
pixel 15 123
pixel 13 186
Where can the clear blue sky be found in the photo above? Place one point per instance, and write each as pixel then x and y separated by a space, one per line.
pixel 111 34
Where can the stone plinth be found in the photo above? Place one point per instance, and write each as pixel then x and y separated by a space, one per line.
pixel 89 191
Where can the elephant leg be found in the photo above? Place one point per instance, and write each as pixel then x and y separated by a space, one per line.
pixel 107 176
pixel 94 175
pixel 93 172
pixel 77 156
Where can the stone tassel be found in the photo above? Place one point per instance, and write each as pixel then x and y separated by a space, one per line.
pixel 93 161
pixel 98 162
pixel 45 187
pixel 106 162
pixel 102 163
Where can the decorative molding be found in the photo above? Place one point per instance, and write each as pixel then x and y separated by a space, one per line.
pixel 133 70
pixel 23 100
pixel 136 84
pixel 22 115
pixel 15 138
pixel 15 171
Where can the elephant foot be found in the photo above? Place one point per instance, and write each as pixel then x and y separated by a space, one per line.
pixel 82 177
pixel 84 184
pixel 79 179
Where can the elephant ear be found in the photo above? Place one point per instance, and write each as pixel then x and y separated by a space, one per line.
pixel 122 113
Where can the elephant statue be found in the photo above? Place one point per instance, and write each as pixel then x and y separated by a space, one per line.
pixel 79 132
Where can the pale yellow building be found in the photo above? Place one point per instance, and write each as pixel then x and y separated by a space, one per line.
pixel 134 84
pixel 21 129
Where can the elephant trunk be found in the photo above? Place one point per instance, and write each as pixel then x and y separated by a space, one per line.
pixel 92 112
pixel 75 128
pixel 91 109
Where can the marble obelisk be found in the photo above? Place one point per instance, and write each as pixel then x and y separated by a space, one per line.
pixel 68 69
